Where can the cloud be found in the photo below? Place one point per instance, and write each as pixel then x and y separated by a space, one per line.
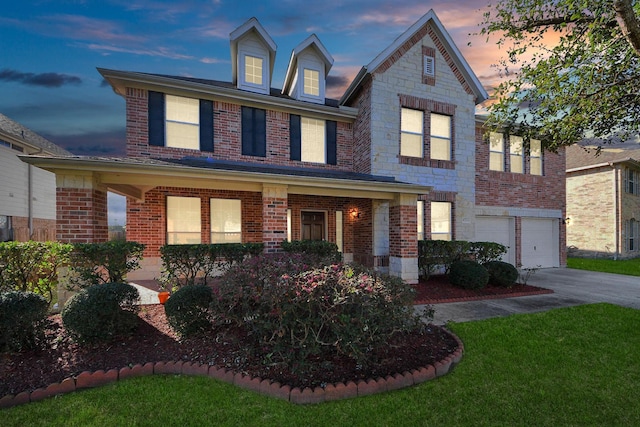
pixel 160 51
pixel 108 143
pixel 79 27
pixel 42 79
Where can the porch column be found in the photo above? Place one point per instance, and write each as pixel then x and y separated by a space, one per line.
pixel 81 209
pixel 403 238
pixel 274 216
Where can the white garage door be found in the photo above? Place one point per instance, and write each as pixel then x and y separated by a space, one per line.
pixel 500 230
pixel 539 243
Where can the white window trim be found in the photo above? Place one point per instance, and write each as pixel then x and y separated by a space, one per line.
pixel 304 142
pixel 196 124
pixel 407 132
pixel 243 83
pixel 313 65
pixel 340 231
pixel 224 232
pixel 539 156
pixel 174 237
pixel 440 139
pixel 501 152
pixel 420 219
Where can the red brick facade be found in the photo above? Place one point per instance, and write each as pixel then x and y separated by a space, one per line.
pixel 227 134
pixel 81 215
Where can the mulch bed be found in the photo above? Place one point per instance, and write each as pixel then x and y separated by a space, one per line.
pixel 438 290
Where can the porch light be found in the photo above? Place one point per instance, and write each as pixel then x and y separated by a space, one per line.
pixel 355 214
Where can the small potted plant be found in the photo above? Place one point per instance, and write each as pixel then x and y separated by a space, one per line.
pixel 163 293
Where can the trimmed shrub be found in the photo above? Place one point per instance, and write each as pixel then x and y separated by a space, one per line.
pixel 502 273
pixel 32 266
pixel 484 252
pixel 468 274
pixel 434 253
pixel 291 313
pixel 238 294
pixel 101 312
pixel 23 318
pixel 107 262
pixel 326 252
pixel 184 265
pixel 188 310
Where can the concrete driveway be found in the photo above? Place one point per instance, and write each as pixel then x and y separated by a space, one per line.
pixel 571 287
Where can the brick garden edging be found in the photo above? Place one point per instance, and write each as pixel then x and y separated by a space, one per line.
pixel 87 379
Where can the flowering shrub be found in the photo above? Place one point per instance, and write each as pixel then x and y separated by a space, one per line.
pixel 292 313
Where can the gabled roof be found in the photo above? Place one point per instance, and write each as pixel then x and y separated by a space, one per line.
pixel 311 42
pixel 448 44
pixel 215 89
pixel 21 134
pixel 249 26
pixel 581 157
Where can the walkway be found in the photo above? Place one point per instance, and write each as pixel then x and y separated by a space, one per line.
pixel 571 287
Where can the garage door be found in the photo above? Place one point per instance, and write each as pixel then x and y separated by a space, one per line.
pixel 539 243
pixel 500 230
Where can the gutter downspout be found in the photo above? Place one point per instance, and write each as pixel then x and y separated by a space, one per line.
pixel 30 195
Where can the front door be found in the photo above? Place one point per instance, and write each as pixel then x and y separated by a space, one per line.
pixel 313 226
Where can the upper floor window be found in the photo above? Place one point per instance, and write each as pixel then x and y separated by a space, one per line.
pixel 631 180
pixel 496 152
pixel 180 122
pixel 253 70
pixel 183 220
pixel 535 157
pixel 226 220
pixel 516 154
pixel 411 133
pixel 311 82
pixel 440 221
pixel 440 141
pixel 313 140
pixel 312 144
pixel 183 122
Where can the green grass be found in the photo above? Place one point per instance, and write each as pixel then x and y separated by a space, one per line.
pixel 572 366
pixel 630 267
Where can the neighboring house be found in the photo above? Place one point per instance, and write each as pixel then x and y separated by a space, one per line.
pixel 399 157
pixel 27 193
pixel 603 200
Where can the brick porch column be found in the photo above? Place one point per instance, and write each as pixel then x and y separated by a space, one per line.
pixel 274 216
pixel 81 209
pixel 403 238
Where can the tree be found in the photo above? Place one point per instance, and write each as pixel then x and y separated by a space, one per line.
pixel 584 85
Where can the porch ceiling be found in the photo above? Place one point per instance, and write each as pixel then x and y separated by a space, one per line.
pixel 135 177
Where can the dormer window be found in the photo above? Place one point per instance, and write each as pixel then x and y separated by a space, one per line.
pixel 253 54
pixel 311 82
pixel 307 72
pixel 253 70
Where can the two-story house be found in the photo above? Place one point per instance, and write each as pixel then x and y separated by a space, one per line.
pixel 603 200
pixel 27 193
pixel 393 161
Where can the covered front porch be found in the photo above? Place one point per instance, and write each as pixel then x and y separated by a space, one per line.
pixel 372 219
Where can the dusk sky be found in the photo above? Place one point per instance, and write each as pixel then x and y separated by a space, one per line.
pixel 49 51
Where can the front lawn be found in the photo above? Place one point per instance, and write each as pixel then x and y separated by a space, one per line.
pixel 630 267
pixel 571 366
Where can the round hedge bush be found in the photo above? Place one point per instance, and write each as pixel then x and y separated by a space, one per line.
pixel 101 312
pixel 188 310
pixel 23 318
pixel 502 273
pixel 468 274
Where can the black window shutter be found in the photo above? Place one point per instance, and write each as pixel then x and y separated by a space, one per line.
pixel 206 125
pixel 294 137
pixel 156 118
pixel 247 131
pixel 331 129
pixel 260 132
